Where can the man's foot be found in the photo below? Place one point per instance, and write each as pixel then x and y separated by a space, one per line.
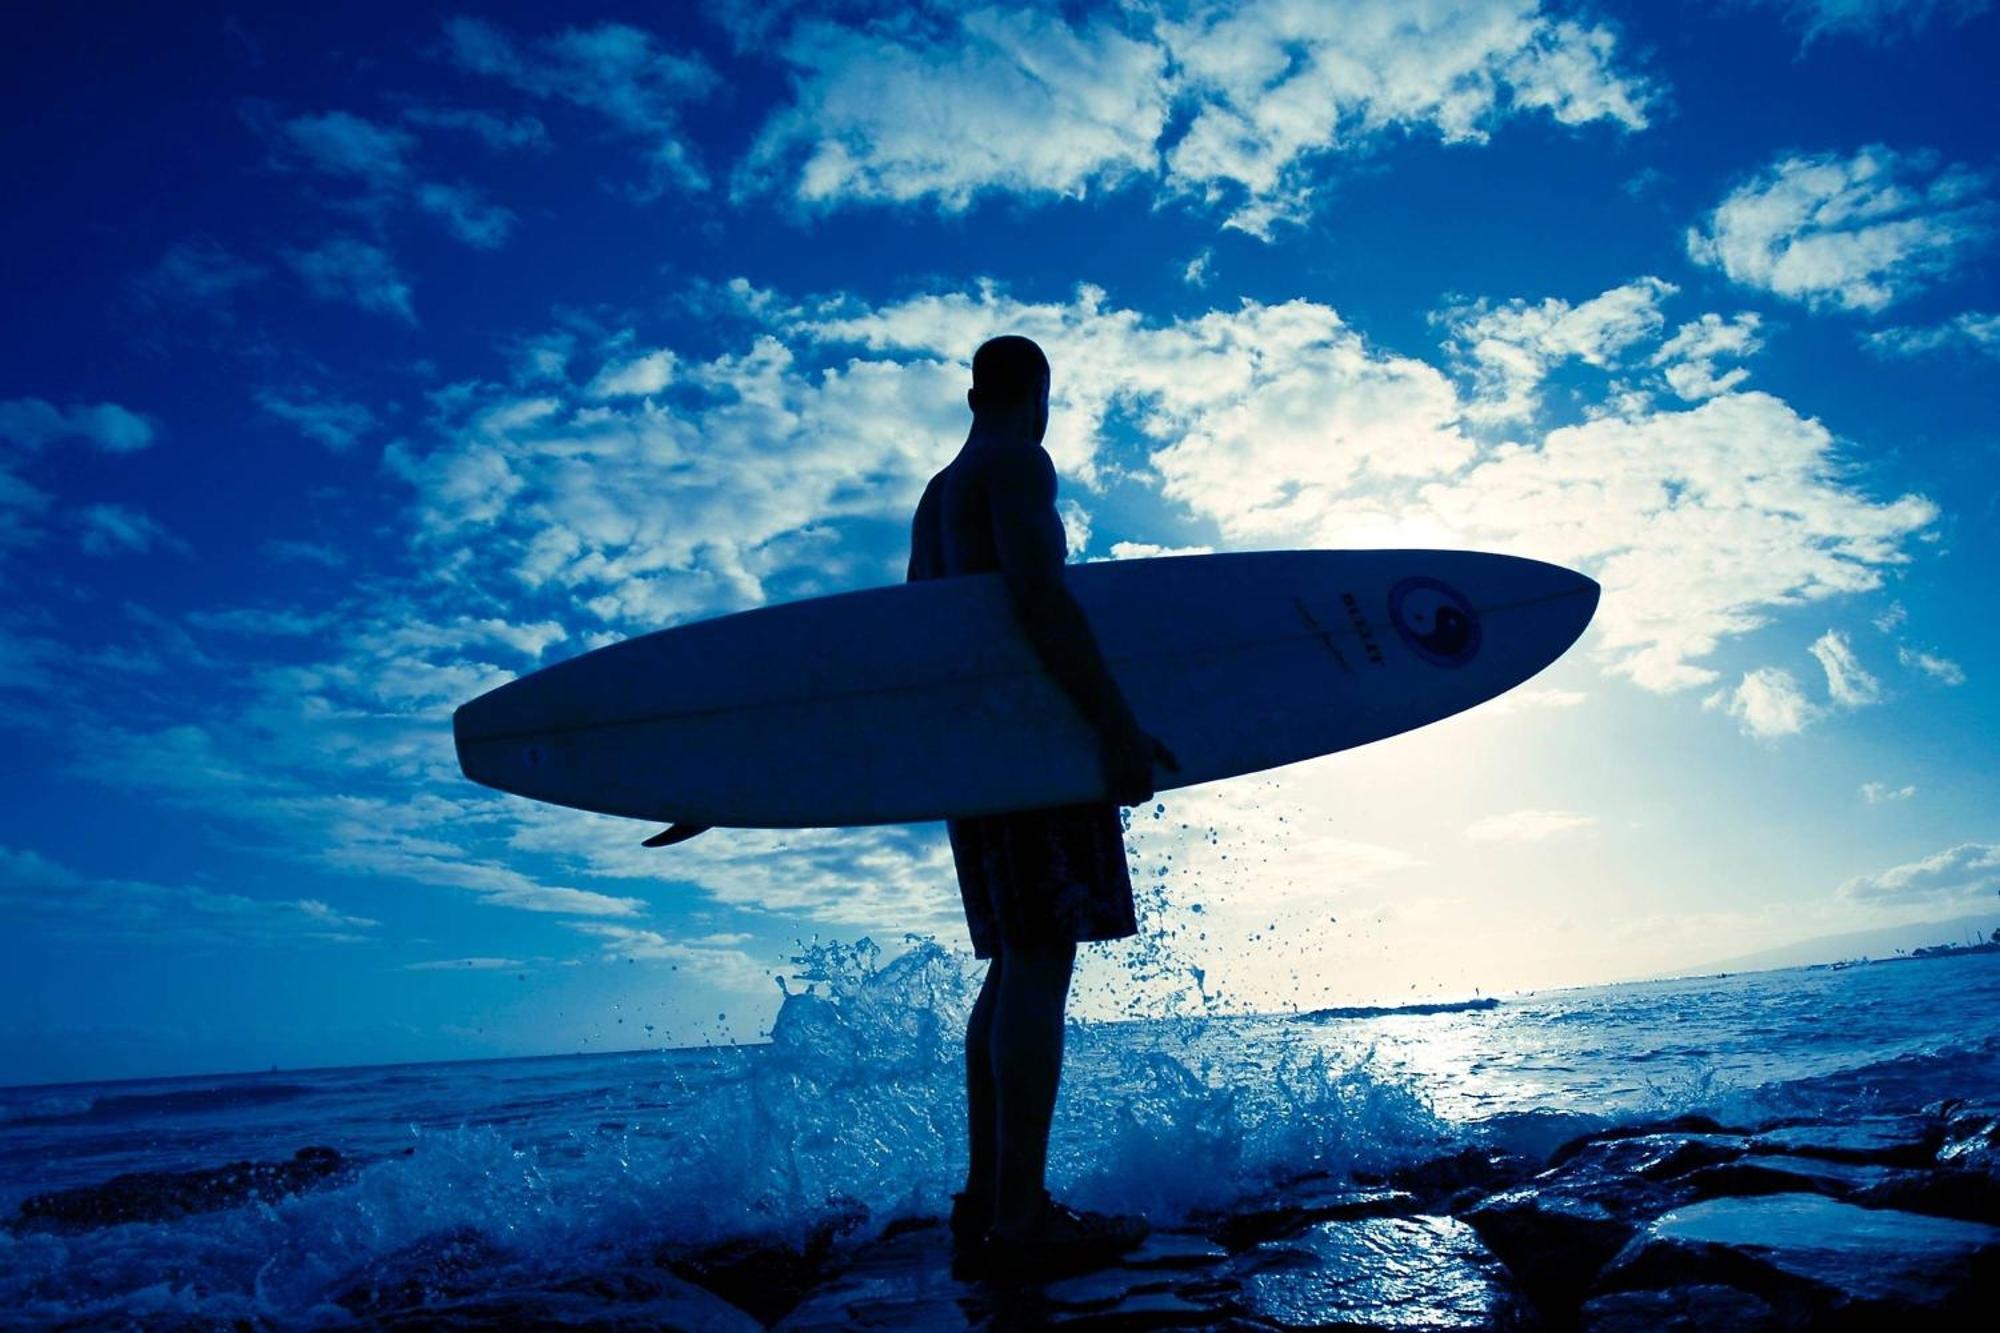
pixel 1058 1242
pixel 971 1216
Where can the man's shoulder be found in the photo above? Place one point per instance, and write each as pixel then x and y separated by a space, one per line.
pixel 1026 466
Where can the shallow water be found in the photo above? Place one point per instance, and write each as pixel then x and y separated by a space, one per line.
pixel 856 1103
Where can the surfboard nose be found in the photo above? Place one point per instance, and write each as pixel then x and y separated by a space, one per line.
pixel 480 758
pixel 1562 600
pixel 1587 598
pixel 463 732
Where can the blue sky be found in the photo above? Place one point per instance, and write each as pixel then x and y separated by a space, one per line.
pixel 360 359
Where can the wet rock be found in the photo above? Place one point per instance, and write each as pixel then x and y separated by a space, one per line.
pixel 1556 1230
pixel 1819 1262
pixel 1695 1309
pixel 1877 1140
pixel 765 1275
pixel 1773 1173
pixel 1679 1125
pixel 1146 1310
pixel 900 1281
pixel 1470 1172
pixel 1970 1196
pixel 1301 1206
pixel 1175 1249
pixel 1970 1139
pixel 904 1280
pixel 444 1266
pixel 661 1301
pixel 1555 1241
pixel 1540 1134
pixel 1663 1156
pixel 159 1196
pixel 632 1300
pixel 1381 1273
pixel 1121 1296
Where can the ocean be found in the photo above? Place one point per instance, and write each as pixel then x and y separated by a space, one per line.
pixel 558 1166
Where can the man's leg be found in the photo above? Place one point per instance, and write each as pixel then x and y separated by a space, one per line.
pixel 982 1115
pixel 1027 1042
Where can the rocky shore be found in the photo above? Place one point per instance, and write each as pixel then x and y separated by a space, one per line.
pixel 1887 1221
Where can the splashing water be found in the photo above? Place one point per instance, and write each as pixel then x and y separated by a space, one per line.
pixel 854 1111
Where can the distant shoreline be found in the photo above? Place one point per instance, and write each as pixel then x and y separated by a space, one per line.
pixel 1926 952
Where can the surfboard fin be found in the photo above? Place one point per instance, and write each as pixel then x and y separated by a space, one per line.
pixel 674 833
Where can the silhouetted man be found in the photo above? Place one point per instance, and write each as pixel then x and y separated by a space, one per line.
pixel 1039 882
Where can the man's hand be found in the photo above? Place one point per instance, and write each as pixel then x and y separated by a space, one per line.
pixel 1128 756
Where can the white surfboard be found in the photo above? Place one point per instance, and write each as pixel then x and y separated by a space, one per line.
pixel 924 701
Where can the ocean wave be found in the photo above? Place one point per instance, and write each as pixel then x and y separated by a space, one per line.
pixel 1899 1083
pixel 852 1115
pixel 1393 1010
pixel 179 1101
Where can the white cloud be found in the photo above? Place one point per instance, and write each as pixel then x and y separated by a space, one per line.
pixel 755 457
pixel 378 160
pixel 111 529
pixel 1076 527
pixel 897 877
pixel 1277 82
pixel 1972 331
pixel 34 422
pixel 613 70
pixel 1873 19
pixel 1881 793
pixel 353 271
pixel 1521 700
pixel 371 716
pixel 1694 521
pixel 1144 550
pixel 327 914
pixel 22 506
pixel 718 964
pixel 199 272
pixel 1015 101
pixel 293 550
pixel 1527 825
pixel 406 848
pixel 1768 703
pixel 340 143
pixel 476 964
pixel 1847 681
pixel 1857 233
pixel 1200 270
pixel 640 376
pixel 498 132
pixel 1968 871
pixel 1940 669
pixel 1511 348
pixel 1689 357
pixel 333 422
pixel 1262 416
pixel 950 104
pixel 466 213
pixel 87 908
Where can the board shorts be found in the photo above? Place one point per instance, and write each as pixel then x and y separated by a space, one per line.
pixel 1044 877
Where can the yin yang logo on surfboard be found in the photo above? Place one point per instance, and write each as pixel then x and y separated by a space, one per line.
pixel 1435 621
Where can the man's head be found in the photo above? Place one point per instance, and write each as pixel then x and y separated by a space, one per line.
pixel 1010 385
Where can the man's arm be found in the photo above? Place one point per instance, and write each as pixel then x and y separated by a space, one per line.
pixel 1028 538
pixel 923 538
